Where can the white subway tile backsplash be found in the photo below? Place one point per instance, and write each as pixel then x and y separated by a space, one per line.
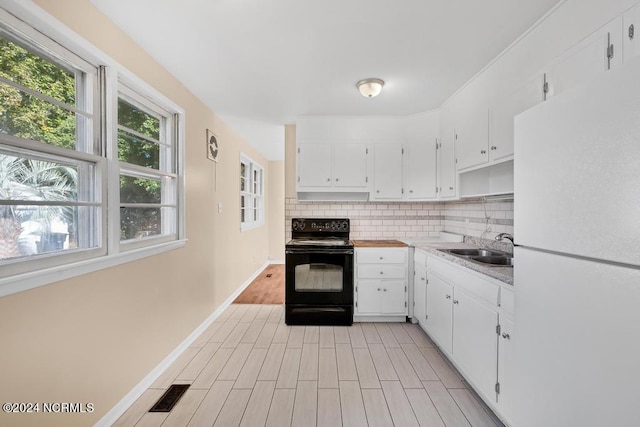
pixel 396 220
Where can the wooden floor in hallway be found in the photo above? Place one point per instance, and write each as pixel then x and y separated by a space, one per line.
pixel 250 369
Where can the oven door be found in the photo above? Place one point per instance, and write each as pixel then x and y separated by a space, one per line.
pixel 320 276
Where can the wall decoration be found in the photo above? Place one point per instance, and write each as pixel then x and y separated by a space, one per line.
pixel 212 146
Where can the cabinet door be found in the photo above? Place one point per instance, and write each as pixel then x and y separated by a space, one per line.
pixel 505 109
pixel 475 342
pixel 447 165
pixel 630 33
pixel 472 138
pixel 587 59
pixel 368 297
pixel 393 297
pixel 505 366
pixel 440 310
pixel 350 165
pixel 314 165
pixel 388 171
pixel 420 294
pixel 421 170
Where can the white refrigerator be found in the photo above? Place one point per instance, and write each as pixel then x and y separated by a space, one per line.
pixel 576 341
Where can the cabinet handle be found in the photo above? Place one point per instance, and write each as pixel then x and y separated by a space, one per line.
pixel 450 188
pixel 483 151
pixel 384 290
pixel 381 257
pixel 382 272
pixel 410 191
pixel 328 179
pixel 493 147
pixel 447 296
pixel 377 191
pixel 506 336
pixel 378 289
pixel 631 31
pixel 455 301
pixel 422 278
pixel 337 179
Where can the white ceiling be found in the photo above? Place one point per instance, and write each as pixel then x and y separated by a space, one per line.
pixel 260 64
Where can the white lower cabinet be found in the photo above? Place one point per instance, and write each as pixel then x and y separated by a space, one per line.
pixel 465 319
pixel 381 284
pixel 420 287
pixel 505 366
pixel 440 311
pixel 475 345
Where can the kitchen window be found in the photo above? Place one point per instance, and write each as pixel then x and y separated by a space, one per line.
pixel 88 180
pixel 147 171
pixel 251 194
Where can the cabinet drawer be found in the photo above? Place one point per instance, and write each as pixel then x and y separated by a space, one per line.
pixel 382 271
pixel 384 256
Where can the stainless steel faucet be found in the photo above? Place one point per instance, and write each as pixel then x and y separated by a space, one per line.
pixel 503 236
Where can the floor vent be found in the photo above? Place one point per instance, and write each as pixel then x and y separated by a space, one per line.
pixel 269 275
pixel 169 398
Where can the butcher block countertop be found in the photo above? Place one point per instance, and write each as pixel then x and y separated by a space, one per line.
pixel 379 244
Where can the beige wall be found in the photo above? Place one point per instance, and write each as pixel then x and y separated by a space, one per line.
pixel 94 337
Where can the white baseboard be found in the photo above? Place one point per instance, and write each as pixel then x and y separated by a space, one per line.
pixel 276 261
pixel 116 412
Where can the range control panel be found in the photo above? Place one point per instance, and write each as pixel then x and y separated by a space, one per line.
pixel 320 225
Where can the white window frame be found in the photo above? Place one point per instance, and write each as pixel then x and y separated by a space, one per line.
pixel 254 194
pixel 167 170
pixel 38 27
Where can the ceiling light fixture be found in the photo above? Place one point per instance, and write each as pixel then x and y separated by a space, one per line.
pixel 370 87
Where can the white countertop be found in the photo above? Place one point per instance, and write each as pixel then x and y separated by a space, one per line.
pixel 504 274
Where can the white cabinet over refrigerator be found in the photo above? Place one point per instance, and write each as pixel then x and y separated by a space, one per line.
pixel 577 264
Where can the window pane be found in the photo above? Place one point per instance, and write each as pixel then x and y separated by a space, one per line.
pixel 39 74
pixel 139 190
pixel 255 209
pixel 136 223
pixel 138 151
pixel 242 208
pixel 255 182
pixel 28 117
pixel 31 230
pixel 243 183
pixel 138 120
pixel 38 180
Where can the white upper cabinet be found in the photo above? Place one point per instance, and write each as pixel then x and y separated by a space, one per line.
pixel 337 165
pixel 472 136
pixel 421 170
pixel 446 160
pixel 630 34
pixel 599 52
pixel 350 165
pixel 314 165
pixel 387 171
pixel 502 112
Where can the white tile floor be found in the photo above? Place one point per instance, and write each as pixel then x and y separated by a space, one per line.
pixel 250 369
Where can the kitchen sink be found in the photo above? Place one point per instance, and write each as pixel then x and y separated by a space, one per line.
pixel 483 256
pixel 475 252
pixel 502 260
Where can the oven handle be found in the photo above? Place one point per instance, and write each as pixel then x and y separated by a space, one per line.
pixel 319 251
